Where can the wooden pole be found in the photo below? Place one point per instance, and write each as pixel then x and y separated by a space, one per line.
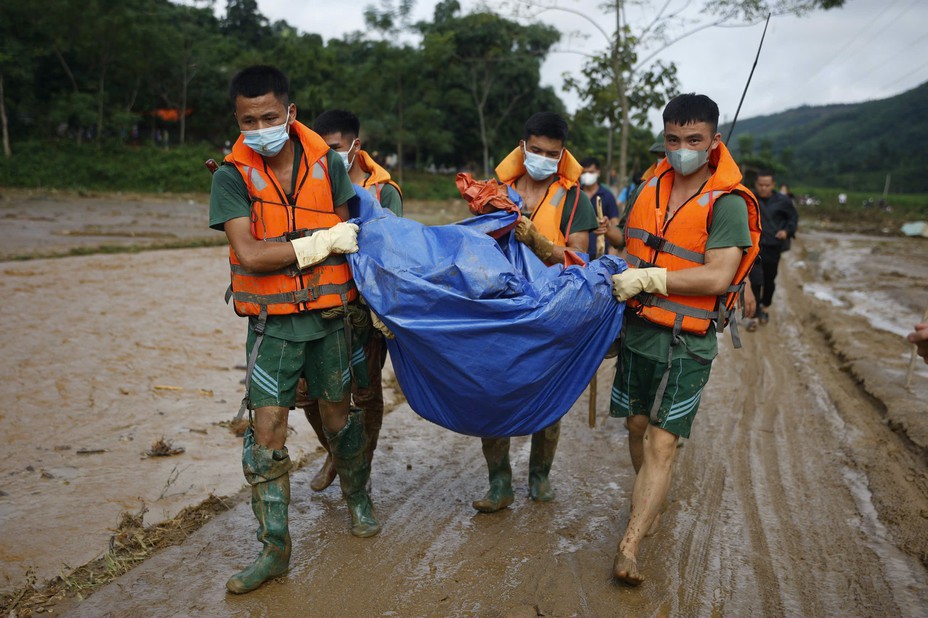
pixel 914 358
pixel 598 253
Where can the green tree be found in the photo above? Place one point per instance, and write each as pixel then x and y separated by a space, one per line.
pixel 17 60
pixel 245 22
pixel 629 64
pixel 493 62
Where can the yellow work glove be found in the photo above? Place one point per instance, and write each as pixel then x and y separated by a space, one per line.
pixel 636 280
pixel 532 238
pixel 379 325
pixel 340 238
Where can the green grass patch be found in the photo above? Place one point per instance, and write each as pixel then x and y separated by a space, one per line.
pixel 418 185
pixel 855 215
pixel 193 243
pixel 66 165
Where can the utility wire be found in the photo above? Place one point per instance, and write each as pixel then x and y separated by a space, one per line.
pixel 912 72
pixel 857 38
pixel 906 49
pixel 875 36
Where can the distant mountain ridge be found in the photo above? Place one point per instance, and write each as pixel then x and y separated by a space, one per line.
pixel 852 146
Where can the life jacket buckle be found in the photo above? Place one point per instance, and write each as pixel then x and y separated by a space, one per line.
pixel 298 234
pixel 306 295
pixel 655 242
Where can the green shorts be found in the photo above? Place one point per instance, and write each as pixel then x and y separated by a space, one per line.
pixel 637 379
pixel 325 363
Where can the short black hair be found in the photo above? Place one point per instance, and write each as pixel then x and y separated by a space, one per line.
pixel 258 80
pixel 766 173
pixel 337 121
pixel 588 161
pixel 691 108
pixel 546 124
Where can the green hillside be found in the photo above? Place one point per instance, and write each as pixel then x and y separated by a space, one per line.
pixel 851 146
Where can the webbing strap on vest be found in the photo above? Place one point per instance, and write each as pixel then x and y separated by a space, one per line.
pixel 720 316
pixel 653 300
pixel 639 263
pixel 300 233
pixel 349 340
pixel 654 414
pixel 659 394
pixel 252 359
pixel 304 295
pixel 662 245
pixel 334 259
pixel 570 221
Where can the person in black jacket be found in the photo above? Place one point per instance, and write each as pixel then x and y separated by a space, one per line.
pixel 779 219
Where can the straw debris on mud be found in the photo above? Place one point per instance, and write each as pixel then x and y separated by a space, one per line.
pixel 164 448
pixel 131 543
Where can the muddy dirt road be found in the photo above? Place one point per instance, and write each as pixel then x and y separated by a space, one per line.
pixel 802 491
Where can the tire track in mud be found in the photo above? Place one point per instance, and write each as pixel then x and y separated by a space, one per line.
pixel 781 505
pixel 799 461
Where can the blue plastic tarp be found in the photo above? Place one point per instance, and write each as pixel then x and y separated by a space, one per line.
pixel 488 341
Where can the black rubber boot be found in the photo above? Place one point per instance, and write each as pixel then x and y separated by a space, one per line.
pixel 373 421
pixel 370 398
pixel 267 471
pixel 544 444
pixel 326 474
pixel 499 496
pixel 347 448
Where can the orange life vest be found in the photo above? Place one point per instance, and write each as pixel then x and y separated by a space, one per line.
pixel 546 217
pixel 680 242
pixel 273 219
pixel 378 176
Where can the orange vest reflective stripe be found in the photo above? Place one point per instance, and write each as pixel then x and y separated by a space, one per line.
pixel 546 217
pixel 680 242
pixel 289 290
pixel 378 176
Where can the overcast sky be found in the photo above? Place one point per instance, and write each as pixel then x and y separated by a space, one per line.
pixel 870 49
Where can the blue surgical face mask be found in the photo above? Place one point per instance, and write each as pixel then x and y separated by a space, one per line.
pixel 539 167
pixel 685 161
pixel 269 141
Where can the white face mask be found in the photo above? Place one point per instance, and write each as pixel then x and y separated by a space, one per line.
pixel 685 161
pixel 344 155
pixel 269 141
pixel 539 167
pixel 588 179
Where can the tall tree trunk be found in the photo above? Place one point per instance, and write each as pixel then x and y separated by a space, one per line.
pixel 483 140
pixel 623 147
pixel 480 101
pixel 610 144
pixel 6 130
pixel 183 105
pixel 622 91
pixel 74 87
pixel 399 136
pixel 101 91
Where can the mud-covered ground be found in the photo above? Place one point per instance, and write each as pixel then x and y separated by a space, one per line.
pixel 802 491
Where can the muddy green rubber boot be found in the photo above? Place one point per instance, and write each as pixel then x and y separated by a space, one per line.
pixel 544 444
pixel 496 452
pixel 347 448
pixel 267 471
